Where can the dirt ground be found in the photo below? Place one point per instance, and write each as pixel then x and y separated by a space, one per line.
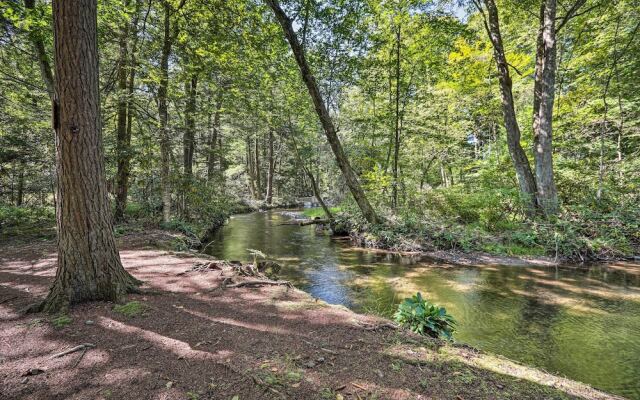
pixel 193 339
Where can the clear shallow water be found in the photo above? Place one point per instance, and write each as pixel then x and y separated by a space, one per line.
pixel 582 323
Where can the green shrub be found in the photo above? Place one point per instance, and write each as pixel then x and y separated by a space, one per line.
pixel 425 318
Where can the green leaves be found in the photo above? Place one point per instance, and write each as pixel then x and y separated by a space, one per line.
pixel 424 318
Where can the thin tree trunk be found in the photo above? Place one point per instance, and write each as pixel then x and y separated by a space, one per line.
pixel 314 182
pixel 122 147
pixel 43 59
pixel 190 128
pixel 213 142
pixel 271 170
pixel 165 144
pixel 20 189
pixel 89 266
pixel 520 161
pixel 547 194
pixel 324 117
pixel 188 142
pixel 251 168
pixel 124 164
pixel 396 142
pixel 258 172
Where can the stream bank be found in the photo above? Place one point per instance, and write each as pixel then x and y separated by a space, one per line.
pixel 194 339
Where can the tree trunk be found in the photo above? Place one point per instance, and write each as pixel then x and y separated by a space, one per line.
pixel 323 114
pixel 190 127
pixel 122 145
pixel 213 140
pixel 163 116
pixel 544 87
pixel 89 266
pixel 270 171
pixel 396 142
pixel 20 189
pixel 251 169
pixel 520 161
pixel 256 165
pixel 188 142
pixel 124 164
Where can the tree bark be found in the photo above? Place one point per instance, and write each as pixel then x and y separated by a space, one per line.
pixel 165 144
pixel 545 76
pixel 271 170
pixel 519 158
pixel 89 266
pixel 323 114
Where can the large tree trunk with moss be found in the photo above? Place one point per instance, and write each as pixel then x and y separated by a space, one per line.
pixel 323 114
pixel 89 266
pixel 526 181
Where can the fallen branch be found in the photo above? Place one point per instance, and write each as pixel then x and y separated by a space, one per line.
pixel 258 282
pixel 83 346
pixel 305 222
pixel 314 221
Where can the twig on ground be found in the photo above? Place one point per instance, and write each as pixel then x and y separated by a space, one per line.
pixel 83 346
pixel 80 358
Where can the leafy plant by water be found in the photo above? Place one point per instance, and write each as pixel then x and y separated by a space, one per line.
pixel 425 318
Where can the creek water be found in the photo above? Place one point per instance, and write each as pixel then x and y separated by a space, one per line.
pixel 574 321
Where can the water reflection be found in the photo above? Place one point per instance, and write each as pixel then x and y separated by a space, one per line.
pixel 582 323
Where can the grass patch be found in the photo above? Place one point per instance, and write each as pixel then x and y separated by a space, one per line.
pixel 130 309
pixel 61 321
pixel 319 212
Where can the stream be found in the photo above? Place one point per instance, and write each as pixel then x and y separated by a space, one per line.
pixel 574 321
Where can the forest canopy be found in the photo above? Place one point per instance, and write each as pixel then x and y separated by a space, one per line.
pixel 498 125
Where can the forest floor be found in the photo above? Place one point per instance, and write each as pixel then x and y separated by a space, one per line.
pixel 195 339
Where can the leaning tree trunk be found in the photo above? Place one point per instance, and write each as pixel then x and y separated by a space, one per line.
pixel 89 266
pixel 544 93
pixel 323 114
pixel 519 158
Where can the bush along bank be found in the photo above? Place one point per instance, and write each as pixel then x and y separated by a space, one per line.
pixel 578 235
